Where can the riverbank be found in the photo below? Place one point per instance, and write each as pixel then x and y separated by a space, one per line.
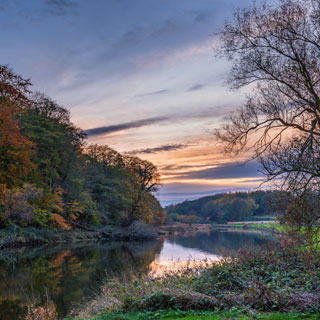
pixel 183 229
pixel 268 226
pixel 17 237
pixel 266 283
pixel 179 229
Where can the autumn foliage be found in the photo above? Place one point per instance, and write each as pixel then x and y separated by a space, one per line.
pixel 59 222
pixel 15 149
pixel 49 178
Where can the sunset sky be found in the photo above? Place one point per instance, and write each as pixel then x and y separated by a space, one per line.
pixel 138 75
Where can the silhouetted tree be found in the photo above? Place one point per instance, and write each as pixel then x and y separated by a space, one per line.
pixel 276 50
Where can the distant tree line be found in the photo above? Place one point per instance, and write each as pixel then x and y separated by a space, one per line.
pixel 221 208
pixel 50 177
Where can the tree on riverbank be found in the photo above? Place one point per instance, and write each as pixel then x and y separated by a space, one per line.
pixel 50 178
pixel 276 51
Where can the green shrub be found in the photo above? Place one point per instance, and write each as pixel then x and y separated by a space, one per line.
pixel 41 218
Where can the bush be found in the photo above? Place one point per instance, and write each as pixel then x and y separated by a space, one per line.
pixel 186 301
pixel 41 218
pixel 17 205
pixel 274 279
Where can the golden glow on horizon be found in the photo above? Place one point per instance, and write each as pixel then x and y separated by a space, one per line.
pixel 194 156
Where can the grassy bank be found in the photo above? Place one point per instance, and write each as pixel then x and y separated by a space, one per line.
pixel 205 315
pixel 177 229
pixel 20 237
pixel 273 227
pixel 257 282
pixel 267 226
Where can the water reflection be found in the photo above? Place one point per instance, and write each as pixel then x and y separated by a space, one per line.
pixel 66 275
pixel 71 274
pixel 206 246
pixel 223 241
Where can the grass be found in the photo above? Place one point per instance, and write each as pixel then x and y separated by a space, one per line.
pixel 269 226
pixel 204 315
pixel 302 233
pixel 271 280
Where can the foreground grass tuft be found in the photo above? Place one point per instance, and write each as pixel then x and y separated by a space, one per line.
pixel 204 315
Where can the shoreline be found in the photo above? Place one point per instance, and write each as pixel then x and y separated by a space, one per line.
pixel 33 237
pixel 11 238
pixel 177 229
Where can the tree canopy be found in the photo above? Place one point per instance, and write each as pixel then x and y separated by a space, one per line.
pixel 50 177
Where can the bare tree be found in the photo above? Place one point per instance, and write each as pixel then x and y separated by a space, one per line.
pixel 275 50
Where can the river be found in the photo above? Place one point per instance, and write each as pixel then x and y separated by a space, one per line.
pixel 72 274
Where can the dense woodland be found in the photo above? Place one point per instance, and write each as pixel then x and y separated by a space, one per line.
pixel 50 177
pixel 221 208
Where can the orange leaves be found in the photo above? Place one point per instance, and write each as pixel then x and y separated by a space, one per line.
pixel 54 201
pixel 15 149
pixel 60 258
pixel 59 222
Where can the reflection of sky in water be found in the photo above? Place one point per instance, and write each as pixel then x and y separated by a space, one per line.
pixel 175 255
pixel 204 248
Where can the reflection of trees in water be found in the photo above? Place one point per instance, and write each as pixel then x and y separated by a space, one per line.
pixel 69 275
pixel 223 241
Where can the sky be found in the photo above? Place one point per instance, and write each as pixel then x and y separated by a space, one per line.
pixel 140 76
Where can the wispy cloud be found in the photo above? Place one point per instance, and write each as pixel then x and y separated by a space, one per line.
pixel 254 180
pixel 231 170
pixel 3 4
pixel 124 126
pixel 60 7
pixel 201 114
pixel 175 167
pixel 168 27
pixel 166 147
pixel 38 11
pixel 153 93
pixel 201 17
pixel 196 87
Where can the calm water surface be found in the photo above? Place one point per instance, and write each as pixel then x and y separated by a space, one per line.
pixel 71 275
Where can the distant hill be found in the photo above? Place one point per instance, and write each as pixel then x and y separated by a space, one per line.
pixel 224 207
